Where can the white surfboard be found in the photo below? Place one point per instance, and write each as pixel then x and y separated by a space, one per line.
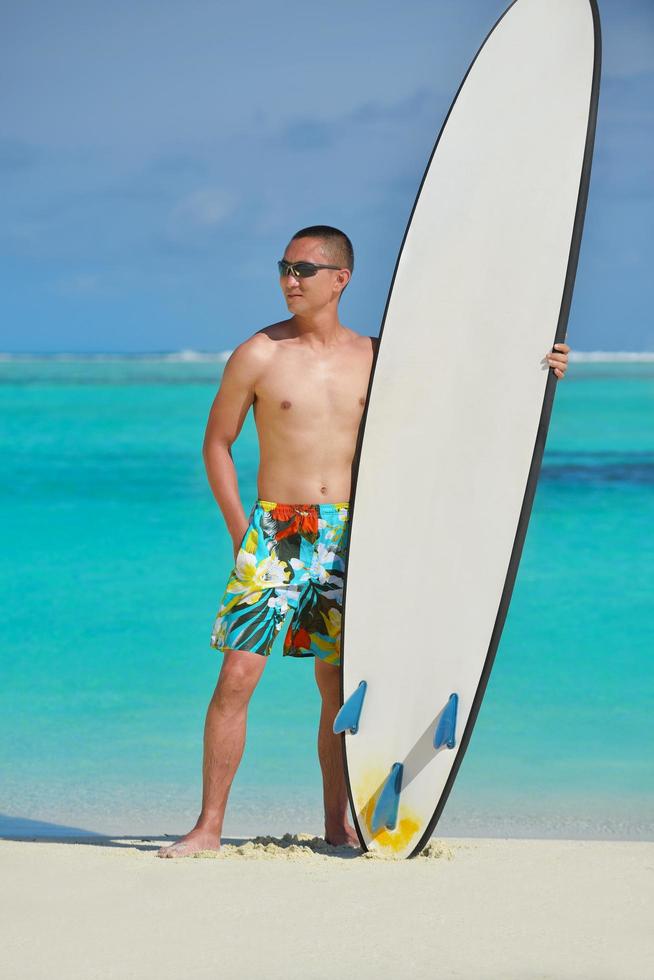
pixel 457 413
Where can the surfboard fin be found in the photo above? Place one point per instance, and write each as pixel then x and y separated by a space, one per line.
pixel 385 812
pixel 348 716
pixel 446 728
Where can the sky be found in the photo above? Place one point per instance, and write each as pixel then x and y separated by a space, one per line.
pixel 156 157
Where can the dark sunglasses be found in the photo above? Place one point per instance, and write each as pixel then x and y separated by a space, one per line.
pixel 301 270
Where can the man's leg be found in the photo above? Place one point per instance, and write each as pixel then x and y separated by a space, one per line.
pixel 338 830
pixel 224 740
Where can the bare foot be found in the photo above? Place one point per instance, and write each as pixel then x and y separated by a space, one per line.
pixel 342 835
pixel 197 840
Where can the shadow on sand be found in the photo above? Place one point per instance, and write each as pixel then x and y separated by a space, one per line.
pixel 289 845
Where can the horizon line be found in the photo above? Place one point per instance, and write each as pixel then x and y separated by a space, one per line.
pixel 204 355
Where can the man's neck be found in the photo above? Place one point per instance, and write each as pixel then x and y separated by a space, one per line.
pixel 322 329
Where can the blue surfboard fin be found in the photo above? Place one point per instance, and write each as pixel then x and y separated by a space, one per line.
pixel 385 812
pixel 348 716
pixel 446 727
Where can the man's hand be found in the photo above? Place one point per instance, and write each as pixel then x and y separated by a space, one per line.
pixel 558 359
pixel 236 541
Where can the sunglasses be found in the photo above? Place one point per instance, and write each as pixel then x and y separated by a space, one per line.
pixel 301 270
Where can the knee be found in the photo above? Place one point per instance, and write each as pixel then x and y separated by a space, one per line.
pixel 238 678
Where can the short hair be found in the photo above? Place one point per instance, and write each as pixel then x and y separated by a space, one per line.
pixel 337 246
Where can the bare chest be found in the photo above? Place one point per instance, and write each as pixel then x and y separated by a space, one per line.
pixel 299 386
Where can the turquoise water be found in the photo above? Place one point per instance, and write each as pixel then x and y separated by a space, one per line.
pixel 114 558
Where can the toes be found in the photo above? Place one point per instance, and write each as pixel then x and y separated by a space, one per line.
pixel 185 848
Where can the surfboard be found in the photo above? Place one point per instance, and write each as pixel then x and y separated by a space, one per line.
pixel 457 411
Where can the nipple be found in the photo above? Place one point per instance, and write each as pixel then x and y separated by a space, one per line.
pixel 286 404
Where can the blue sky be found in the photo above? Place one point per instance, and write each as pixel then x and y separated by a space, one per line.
pixel 156 156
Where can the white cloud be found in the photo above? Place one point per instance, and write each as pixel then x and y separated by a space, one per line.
pixel 193 219
pixel 205 207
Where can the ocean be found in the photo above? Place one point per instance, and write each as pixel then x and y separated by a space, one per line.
pixel 114 558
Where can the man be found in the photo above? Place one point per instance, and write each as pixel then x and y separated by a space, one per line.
pixel 306 378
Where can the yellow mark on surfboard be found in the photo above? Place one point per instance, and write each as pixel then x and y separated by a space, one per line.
pixel 408 823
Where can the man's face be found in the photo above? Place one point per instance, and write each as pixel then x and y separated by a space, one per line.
pixel 310 295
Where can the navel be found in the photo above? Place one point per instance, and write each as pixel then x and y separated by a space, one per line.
pixel 286 404
pixel 362 400
pixel 323 490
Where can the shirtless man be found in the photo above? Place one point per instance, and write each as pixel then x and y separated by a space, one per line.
pixel 307 378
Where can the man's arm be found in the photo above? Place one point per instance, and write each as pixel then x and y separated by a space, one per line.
pixel 230 407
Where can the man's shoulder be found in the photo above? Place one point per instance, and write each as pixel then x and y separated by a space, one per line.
pixel 256 348
pixel 362 339
pixel 262 345
pixel 366 342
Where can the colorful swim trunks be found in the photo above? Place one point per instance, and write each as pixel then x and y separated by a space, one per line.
pixel 292 556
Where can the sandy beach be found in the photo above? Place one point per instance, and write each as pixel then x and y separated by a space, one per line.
pixel 293 907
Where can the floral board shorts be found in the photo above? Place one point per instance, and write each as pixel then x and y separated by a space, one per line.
pixel 292 556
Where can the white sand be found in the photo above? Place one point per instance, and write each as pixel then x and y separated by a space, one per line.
pixel 473 909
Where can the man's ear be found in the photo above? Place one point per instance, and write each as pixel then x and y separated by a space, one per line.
pixel 344 277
